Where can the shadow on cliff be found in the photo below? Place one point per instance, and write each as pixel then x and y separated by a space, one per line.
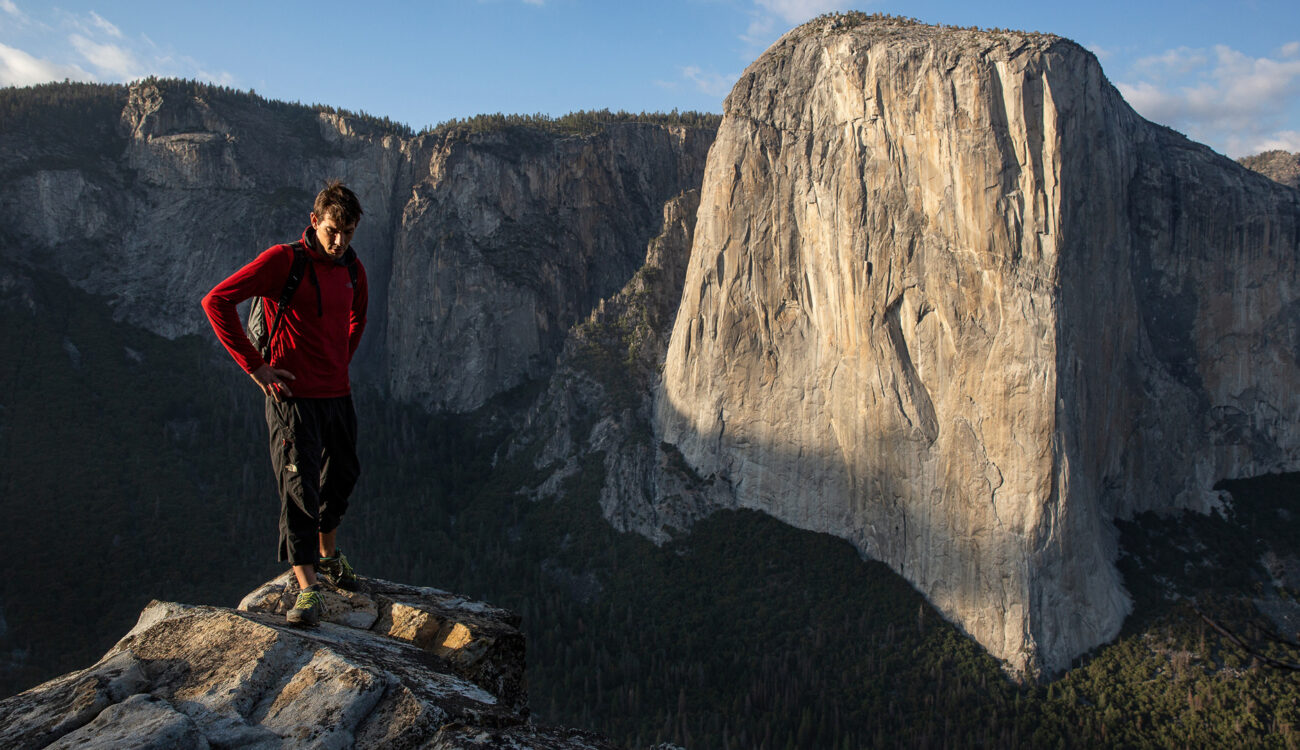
pixel 893 533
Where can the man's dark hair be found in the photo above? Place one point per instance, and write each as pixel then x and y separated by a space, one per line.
pixel 337 201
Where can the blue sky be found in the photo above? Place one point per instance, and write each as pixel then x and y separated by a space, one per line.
pixel 1224 73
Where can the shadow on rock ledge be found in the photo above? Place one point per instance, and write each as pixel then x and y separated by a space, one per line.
pixel 391 666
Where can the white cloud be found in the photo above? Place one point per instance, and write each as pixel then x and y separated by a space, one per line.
pixel 1101 52
pixel 769 19
pixel 17 68
pixel 1174 62
pixel 1290 49
pixel 115 61
pixel 221 79
pixel 761 32
pixel 1222 97
pixel 798 11
pixel 1285 140
pixel 87 46
pixel 713 84
pixel 105 25
pixel 16 20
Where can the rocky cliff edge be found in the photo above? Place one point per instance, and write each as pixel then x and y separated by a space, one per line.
pixel 392 666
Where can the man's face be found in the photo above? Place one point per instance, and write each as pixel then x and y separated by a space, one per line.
pixel 333 235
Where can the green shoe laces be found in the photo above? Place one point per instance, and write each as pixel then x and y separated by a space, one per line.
pixel 307 600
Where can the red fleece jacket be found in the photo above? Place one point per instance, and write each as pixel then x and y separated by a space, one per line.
pixel 318 335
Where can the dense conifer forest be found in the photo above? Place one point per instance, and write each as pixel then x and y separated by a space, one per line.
pixel 132 468
pixel 582 122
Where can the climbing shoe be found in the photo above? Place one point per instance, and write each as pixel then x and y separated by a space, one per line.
pixel 306 611
pixel 337 572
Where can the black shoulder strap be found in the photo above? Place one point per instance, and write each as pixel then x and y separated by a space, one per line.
pixel 296 270
pixel 350 260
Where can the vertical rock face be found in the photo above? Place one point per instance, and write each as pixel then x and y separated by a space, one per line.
pixel 482 249
pixel 600 398
pixel 510 239
pixel 951 299
pixel 189 187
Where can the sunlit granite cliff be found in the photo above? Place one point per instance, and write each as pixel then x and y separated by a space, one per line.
pixel 950 298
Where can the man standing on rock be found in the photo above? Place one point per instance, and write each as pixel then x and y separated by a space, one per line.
pixel 313 325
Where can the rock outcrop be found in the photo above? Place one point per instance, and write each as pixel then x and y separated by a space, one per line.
pixel 509 239
pixel 950 298
pixel 393 666
pixel 482 248
pixel 599 401
pixel 1279 166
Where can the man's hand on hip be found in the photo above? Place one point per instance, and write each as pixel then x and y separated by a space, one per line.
pixel 273 382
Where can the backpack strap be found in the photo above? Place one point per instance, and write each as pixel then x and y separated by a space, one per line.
pixel 296 270
pixel 350 260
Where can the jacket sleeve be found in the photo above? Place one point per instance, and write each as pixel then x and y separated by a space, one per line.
pixel 263 277
pixel 357 320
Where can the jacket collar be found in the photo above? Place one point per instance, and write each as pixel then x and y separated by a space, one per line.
pixel 315 253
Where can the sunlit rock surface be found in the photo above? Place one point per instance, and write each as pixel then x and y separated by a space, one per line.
pixel 950 298
pixel 390 666
pixel 1277 165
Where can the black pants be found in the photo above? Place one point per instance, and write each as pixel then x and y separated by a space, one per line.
pixel 314 454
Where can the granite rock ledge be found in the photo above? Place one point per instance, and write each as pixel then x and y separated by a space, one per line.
pixel 391 666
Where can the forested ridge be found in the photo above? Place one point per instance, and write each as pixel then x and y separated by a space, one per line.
pixel 59 113
pixel 133 468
